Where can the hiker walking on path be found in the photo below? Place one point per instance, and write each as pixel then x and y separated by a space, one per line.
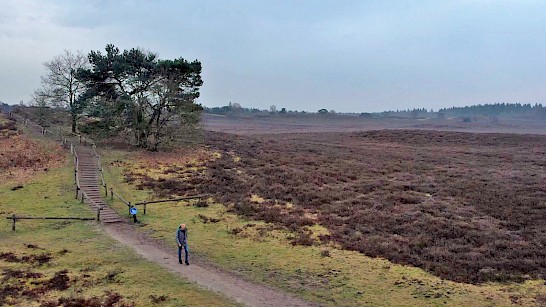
pixel 182 240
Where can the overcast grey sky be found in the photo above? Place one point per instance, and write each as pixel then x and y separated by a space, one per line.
pixel 352 56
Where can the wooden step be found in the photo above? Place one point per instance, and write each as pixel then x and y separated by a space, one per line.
pixel 88 176
pixel 111 221
pixel 95 202
pixel 96 198
pixel 95 194
pixel 109 216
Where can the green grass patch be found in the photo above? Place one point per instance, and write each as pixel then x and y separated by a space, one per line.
pixel 80 262
pixel 323 274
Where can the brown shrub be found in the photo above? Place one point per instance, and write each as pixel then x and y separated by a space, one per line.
pixel 9 257
pixel 156 299
pixel 21 156
pixel 59 282
pixel 467 207
pixel 303 238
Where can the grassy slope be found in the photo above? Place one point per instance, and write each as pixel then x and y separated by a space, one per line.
pixel 95 262
pixel 344 278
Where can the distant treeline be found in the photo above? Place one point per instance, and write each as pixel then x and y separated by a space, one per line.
pixel 413 113
pixel 235 109
pixel 488 110
pixel 497 109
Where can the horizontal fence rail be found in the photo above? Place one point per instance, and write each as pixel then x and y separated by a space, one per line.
pixel 144 203
pixel 112 194
pixel 16 218
pixel 173 199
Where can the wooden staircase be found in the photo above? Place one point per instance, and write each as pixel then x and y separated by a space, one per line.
pixel 88 176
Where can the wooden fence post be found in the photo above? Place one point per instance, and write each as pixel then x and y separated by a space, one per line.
pixel 134 215
pixel 13 225
pixel 82 197
pixel 98 214
pixel 105 190
pixel 144 209
pixel 111 194
pixel 77 190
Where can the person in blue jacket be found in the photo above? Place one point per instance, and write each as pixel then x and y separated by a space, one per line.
pixel 182 241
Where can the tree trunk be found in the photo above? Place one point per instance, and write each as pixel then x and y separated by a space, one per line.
pixel 143 140
pixel 74 123
pixel 156 133
pixel 72 104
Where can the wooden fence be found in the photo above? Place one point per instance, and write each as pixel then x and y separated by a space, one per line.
pixel 16 218
pixel 144 203
pixel 112 194
pixel 80 193
pixel 65 141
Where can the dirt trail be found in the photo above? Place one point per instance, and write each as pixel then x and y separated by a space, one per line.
pixel 205 274
pixel 208 276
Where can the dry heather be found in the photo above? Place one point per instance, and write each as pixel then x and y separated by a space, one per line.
pixel 21 157
pixel 466 207
pixel 23 280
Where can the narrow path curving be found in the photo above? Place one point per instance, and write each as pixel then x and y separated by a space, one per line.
pixel 207 275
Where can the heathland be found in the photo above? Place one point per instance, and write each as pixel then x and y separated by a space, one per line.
pixel 379 217
pixel 382 217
